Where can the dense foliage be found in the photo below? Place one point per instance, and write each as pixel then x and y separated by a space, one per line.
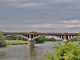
pixel 40 40
pixel 70 51
pixel 50 39
pixel 2 41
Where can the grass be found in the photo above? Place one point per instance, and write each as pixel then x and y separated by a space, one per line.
pixel 15 42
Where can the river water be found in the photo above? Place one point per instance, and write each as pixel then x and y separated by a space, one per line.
pixel 23 52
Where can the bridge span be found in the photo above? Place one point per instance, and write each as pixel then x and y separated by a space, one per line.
pixel 33 35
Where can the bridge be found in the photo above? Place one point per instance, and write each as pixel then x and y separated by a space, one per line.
pixel 33 35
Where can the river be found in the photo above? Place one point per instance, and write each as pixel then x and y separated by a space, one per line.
pixel 23 52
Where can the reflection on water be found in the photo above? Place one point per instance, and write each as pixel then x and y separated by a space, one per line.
pixel 23 52
pixel 2 53
pixel 31 52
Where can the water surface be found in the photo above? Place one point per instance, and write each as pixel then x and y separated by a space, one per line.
pixel 23 52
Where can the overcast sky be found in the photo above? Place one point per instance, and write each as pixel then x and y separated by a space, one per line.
pixel 40 15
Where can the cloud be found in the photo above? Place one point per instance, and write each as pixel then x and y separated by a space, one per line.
pixel 49 15
pixel 22 3
pixel 29 5
pixel 39 26
pixel 13 0
pixel 71 21
pixel 72 26
pixel 40 3
pixel 24 24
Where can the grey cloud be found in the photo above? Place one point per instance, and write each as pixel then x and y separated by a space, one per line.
pixel 50 9
pixel 39 25
pixel 49 15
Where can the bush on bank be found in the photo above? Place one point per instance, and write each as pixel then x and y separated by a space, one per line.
pixel 2 41
pixel 40 40
pixel 67 52
pixel 2 44
pixel 70 51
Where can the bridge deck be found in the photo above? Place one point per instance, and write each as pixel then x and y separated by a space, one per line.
pixel 24 33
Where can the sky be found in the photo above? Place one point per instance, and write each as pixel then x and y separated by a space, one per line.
pixel 40 15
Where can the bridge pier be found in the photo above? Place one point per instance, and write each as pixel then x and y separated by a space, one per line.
pixel 65 37
pixel 31 43
pixel 62 37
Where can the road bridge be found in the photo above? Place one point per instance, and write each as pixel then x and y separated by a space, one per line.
pixel 33 35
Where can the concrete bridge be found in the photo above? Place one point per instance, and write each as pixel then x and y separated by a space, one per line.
pixel 33 35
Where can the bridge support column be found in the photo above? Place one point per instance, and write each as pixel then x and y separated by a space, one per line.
pixel 62 37
pixel 69 37
pixel 31 43
pixel 65 37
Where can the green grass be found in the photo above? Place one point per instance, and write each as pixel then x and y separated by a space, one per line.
pixel 15 42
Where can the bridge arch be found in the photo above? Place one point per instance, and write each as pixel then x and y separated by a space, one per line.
pixel 53 37
pixel 73 37
pixel 14 35
pixel 36 37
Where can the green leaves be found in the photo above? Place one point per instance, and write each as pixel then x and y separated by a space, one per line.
pixel 1 35
pixel 2 42
pixel 40 40
pixel 69 51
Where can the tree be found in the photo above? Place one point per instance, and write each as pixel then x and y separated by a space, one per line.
pixel 69 51
pixel 40 39
pixel 33 32
pixel 2 41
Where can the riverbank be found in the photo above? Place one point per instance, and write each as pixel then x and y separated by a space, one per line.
pixel 15 42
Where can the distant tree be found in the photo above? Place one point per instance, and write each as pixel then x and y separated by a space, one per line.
pixel 33 32
pixel 40 39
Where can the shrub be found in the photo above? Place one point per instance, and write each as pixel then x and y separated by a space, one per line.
pixel 2 41
pixel 40 40
pixel 67 52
